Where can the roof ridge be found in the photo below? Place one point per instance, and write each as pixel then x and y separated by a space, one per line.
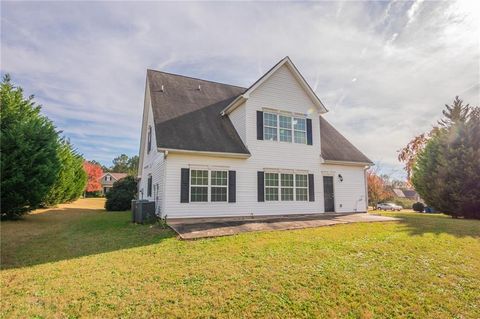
pixel 194 78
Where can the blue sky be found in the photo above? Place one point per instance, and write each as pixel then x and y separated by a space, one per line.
pixel 383 69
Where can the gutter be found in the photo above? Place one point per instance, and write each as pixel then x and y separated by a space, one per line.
pixel 203 153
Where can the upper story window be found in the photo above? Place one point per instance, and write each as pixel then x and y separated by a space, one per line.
pixel 284 128
pixel 149 139
pixel 300 130
pixel 270 126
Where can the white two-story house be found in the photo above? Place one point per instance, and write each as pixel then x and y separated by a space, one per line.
pixel 210 149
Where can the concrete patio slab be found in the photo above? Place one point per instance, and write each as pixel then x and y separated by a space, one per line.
pixel 194 228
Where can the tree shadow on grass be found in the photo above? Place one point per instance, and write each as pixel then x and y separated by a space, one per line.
pixel 421 223
pixel 64 233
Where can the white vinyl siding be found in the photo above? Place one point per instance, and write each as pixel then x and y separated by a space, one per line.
pixel 281 91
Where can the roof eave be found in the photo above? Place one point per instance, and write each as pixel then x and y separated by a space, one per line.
pixel 347 163
pixel 204 153
pixel 239 100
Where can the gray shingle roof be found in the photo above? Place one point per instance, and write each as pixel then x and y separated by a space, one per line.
pixel 335 147
pixel 188 118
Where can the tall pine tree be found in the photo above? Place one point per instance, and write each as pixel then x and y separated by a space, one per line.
pixel 28 162
pixel 446 173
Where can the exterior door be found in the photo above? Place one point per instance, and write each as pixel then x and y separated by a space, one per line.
pixel 328 195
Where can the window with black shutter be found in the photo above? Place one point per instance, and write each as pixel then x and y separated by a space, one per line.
pixel 149 186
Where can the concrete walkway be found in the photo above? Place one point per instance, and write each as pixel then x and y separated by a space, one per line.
pixel 194 228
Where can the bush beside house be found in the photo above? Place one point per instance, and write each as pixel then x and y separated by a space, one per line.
pixel 121 195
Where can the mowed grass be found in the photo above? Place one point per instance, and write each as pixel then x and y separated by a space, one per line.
pixel 80 261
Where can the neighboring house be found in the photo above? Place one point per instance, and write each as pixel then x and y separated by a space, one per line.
pixel 210 149
pixel 407 193
pixel 108 179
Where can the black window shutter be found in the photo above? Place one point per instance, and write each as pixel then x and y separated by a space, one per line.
pixel 260 185
pixel 311 188
pixel 232 186
pixel 185 185
pixel 149 143
pixel 259 125
pixel 309 131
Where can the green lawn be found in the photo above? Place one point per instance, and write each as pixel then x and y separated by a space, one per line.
pixel 78 261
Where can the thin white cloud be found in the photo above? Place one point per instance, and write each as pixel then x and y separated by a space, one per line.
pixel 86 62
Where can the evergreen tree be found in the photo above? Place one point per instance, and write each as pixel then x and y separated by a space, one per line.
pixel 28 161
pixel 72 178
pixel 446 173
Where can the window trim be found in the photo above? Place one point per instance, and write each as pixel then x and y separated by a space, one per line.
pixel 292 129
pixel 208 185
pixel 279 194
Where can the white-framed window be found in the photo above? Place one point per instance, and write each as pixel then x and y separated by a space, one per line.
pixel 199 185
pixel 286 181
pixel 284 128
pixel 301 187
pixel 149 185
pixel 270 126
pixel 208 185
pixel 286 186
pixel 219 186
pixel 300 130
pixel 271 186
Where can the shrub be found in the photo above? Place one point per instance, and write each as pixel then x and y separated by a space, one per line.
pixel 404 202
pixel 418 207
pixel 121 195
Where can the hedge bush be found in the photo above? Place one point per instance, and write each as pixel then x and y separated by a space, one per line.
pixel 121 195
pixel 418 207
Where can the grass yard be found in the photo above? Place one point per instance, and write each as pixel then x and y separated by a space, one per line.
pixel 80 261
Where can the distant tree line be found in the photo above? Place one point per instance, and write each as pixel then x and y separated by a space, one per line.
pixel 39 167
pixel 121 164
pixel 444 164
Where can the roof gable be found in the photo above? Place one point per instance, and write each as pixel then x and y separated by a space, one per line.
pixel 297 75
pixel 116 176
